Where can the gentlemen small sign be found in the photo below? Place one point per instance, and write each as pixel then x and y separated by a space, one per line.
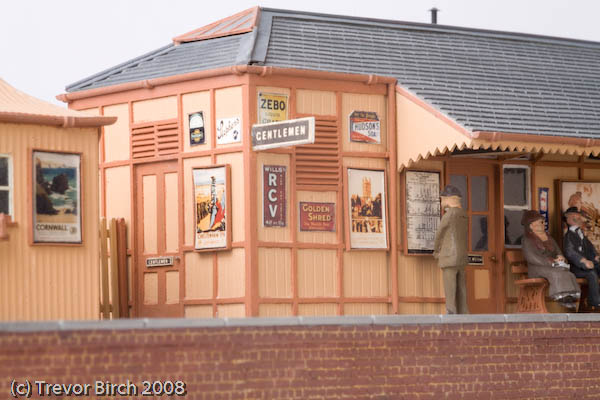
pixel 159 261
pixel 285 133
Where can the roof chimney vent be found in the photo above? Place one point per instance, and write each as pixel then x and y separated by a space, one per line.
pixel 434 12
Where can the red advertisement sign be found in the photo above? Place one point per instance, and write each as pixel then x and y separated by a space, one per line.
pixel 317 216
pixel 274 195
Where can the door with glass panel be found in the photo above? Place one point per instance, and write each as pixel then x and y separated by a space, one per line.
pixel 477 184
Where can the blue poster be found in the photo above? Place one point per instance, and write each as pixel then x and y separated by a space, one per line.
pixel 543 204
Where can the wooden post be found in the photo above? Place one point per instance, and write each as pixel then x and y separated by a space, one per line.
pixel 114 269
pixel 104 301
pixel 123 276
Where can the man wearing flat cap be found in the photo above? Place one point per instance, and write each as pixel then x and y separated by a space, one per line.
pixel 582 255
pixel 450 249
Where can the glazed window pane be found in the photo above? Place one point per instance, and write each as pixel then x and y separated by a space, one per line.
pixel 4 201
pixel 479 233
pixel 460 181
pixel 3 171
pixel 513 230
pixel 515 187
pixel 479 193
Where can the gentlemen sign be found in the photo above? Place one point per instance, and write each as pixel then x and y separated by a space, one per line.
pixel 274 195
pixel 159 261
pixel 281 134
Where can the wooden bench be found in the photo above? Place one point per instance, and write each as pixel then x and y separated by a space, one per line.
pixel 532 291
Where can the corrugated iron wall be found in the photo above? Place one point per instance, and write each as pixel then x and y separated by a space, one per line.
pixel 40 282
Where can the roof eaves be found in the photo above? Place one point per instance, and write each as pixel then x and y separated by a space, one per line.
pixel 63 121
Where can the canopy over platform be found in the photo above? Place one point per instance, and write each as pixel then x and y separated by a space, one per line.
pixel 18 107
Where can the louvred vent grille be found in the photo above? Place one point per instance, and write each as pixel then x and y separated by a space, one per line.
pixel 155 139
pixel 318 164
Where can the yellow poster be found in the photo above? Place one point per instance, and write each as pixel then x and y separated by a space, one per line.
pixel 272 107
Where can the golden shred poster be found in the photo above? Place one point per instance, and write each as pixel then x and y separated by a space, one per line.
pixel 367 204
pixel 56 197
pixel 211 208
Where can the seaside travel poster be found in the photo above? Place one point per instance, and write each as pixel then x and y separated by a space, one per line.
pixel 56 195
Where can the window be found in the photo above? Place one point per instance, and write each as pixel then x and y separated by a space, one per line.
pixel 517 198
pixel 5 184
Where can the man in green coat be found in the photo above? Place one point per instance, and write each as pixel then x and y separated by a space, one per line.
pixel 450 249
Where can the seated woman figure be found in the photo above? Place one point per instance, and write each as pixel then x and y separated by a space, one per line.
pixel 541 252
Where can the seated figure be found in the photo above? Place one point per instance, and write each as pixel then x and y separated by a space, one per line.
pixel 583 257
pixel 545 260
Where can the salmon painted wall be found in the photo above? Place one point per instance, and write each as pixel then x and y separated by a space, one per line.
pixel 311 273
pixel 43 282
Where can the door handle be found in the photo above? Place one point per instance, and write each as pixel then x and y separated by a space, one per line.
pixel 493 258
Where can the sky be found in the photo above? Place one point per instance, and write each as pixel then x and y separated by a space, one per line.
pixel 46 45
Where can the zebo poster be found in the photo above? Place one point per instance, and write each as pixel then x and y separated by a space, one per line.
pixel 212 208
pixel 367 209
pixel 272 107
pixel 56 197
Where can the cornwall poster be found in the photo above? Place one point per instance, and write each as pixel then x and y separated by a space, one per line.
pixel 56 195
pixel 367 207
pixel 211 192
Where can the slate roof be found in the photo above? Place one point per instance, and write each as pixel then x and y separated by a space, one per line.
pixel 484 80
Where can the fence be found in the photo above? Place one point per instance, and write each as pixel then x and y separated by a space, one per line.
pixel 114 299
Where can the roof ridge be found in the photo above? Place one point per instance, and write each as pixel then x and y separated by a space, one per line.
pixel 432 27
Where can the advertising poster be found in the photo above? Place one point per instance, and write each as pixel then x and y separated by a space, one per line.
pixel 365 127
pixel 367 207
pixel 317 216
pixel 423 211
pixel 197 128
pixel 211 208
pixel 56 195
pixel 272 107
pixel 543 199
pixel 229 130
pixel 274 195
pixel 584 195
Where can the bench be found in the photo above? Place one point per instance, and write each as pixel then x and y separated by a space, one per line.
pixel 531 298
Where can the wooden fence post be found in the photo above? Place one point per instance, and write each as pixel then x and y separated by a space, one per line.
pixel 104 296
pixel 114 269
pixel 123 275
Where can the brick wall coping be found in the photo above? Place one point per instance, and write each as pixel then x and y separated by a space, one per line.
pixel 171 323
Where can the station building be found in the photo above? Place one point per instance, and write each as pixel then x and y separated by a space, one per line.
pixel 400 110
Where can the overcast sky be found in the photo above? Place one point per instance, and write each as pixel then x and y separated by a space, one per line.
pixel 46 45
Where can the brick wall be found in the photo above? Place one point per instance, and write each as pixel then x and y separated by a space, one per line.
pixel 401 357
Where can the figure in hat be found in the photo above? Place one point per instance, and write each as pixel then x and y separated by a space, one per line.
pixel 583 257
pixel 450 249
pixel 545 260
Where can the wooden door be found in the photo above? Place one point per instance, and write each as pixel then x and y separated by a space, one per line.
pixel 477 183
pixel 157 240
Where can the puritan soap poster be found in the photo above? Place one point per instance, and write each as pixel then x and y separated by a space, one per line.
pixel 212 228
pixel 229 130
pixel 56 195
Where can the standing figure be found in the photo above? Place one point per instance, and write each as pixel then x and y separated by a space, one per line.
pixel 544 260
pixel 583 257
pixel 450 249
